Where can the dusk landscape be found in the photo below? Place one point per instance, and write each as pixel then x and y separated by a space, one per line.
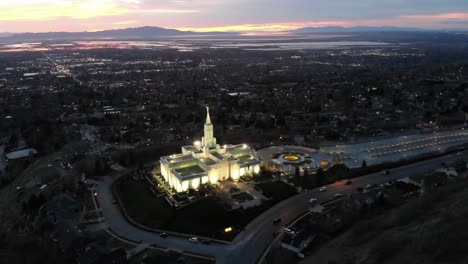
pixel 256 132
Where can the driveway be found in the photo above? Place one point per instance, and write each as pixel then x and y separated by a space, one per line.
pixel 250 244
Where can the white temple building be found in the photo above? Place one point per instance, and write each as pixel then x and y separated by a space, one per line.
pixel 208 162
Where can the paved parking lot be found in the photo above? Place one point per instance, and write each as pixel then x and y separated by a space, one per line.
pixel 373 152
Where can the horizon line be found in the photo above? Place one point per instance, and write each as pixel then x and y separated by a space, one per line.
pixel 241 29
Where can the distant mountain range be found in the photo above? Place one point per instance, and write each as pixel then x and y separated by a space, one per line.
pixel 156 32
pixel 127 33
pixel 364 29
pixel 5 34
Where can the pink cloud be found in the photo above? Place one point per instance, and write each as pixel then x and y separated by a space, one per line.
pixel 444 16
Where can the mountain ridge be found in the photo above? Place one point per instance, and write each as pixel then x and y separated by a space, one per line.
pixel 137 32
pixel 148 32
pixel 339 29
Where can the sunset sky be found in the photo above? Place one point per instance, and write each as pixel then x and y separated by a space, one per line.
pixel 227 15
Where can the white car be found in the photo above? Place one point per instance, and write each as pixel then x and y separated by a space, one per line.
pixel 322 189
pixel 194 239
pixel 312 200
pixel 338 195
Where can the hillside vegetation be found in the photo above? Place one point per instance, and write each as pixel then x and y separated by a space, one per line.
pixel 430 229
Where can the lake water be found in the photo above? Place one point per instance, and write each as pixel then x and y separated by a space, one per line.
pixel 192 44
pixel 303 45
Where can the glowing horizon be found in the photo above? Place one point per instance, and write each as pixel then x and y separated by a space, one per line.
pixel 248 16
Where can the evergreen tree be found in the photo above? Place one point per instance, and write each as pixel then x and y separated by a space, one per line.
pixel 305 175
pixel 320 175
pixel 297 175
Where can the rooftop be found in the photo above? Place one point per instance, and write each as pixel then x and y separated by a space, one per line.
pixel 217 155
pixel 188 171
pixel 21 153
pixel 178 158
pixel 235 147
pixel 245 159
pixel 190 148
pixel 208 161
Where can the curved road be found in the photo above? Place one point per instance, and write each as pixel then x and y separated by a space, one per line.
pixel 250 244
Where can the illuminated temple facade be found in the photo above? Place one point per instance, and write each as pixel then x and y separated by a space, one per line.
pixel 208 162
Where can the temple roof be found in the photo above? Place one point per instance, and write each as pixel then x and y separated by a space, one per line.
pixel 208 119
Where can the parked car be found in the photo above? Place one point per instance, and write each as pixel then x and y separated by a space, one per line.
pixel 312 200
pixel 163 234
pixel 322 189
pixel 276 221
pixel 348 182
pixel 206 242
pixel 386 172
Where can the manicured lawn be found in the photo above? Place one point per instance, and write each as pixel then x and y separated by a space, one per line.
pixel 277 190
pixel 142 205
pixel 262 177
pixel 206 217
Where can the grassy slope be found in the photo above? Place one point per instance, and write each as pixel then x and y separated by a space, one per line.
pixel 430 229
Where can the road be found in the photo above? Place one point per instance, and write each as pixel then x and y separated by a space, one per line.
pixel 61 68
pixel 250 244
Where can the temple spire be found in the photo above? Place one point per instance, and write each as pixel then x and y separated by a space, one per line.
pixel 208 119
pixel 208 141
